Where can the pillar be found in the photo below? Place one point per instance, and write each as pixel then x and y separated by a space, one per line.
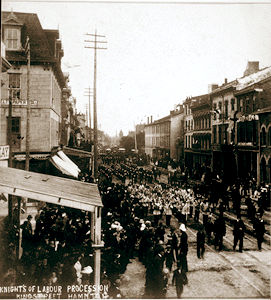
pixel 97 244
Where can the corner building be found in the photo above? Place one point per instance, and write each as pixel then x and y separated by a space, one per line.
pixel 46 83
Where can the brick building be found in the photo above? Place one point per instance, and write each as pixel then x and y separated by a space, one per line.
pixel 197 132
pixel 201 146
pixel 224 106
pixel 253 125
pixel 46 83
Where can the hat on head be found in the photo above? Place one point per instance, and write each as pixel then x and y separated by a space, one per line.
pixel 182 227
pixel 29 217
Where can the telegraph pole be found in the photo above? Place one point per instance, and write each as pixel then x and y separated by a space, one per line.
pixel 27 151
pixel 89 93
pixel 10 199
pixel 95 47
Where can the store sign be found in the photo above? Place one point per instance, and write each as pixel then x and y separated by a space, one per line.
pixel 4 152
pixel 19 102
pixel 248 118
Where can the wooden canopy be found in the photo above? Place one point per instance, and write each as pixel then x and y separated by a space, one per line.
pixel 48 188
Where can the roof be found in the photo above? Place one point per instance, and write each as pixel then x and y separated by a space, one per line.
pixel 42 42
pixel 40 48
pixel 250 80
pixel 265 110
pixel 48 188
pixel 230 85
pixel 164 119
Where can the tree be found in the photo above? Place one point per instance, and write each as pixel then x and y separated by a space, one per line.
pixel 127 142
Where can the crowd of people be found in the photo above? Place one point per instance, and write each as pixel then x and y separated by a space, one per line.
pixel 137 221
pixel 143 207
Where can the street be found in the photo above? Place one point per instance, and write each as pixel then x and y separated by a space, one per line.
pixel 224 274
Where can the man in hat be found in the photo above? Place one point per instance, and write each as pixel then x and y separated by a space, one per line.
pixel 238 233
pixel 27 235
pixel 183 248
pixel 220 231
pixel 259 230
pixel 200 242
pixel 209 228
pixel 179 279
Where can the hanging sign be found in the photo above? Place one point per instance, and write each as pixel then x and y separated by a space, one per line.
pixel 4 152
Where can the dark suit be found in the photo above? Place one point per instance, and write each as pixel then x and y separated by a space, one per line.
pixel 238 232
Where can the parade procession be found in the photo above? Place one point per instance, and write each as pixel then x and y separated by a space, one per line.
pixel 115 182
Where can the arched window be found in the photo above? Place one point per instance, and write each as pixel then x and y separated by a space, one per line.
pixel 263 170
pixel 269 136
pixel 263 136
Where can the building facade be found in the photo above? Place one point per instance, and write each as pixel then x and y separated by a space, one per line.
pixel 253 125
pixel 177 135
pixel 5 65
pixel 46 81
pixel 157 138
pixel 201 146
pixel 224 106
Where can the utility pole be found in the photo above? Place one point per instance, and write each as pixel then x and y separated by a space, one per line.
pixel 27 148
pixel 95 47
pixel 10 199
pixel 89 93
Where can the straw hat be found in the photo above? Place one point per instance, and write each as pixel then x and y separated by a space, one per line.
pixel 182 227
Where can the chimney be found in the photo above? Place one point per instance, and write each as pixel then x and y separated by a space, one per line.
pixel 252 67
pixel 151 119
pixel 212 87
pixel 226 81
pixel 148 120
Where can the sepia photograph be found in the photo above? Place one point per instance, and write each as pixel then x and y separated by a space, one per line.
pixel 135 149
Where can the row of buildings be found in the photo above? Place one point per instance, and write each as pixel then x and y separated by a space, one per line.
pixel 227 131
pixel 53 119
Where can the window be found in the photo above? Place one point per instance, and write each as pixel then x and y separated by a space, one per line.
pixel 15 127
pixel 219 135
pixel 214 107
pixel 12 38
pixel 226 134
pixel 14 86
pixel 226 109
pixel 214 134
pixel 15 133
pixel 232 104
pixel 269 137
pixel 247 103
pixel 220 110
pixel 241 105
pixel 263 136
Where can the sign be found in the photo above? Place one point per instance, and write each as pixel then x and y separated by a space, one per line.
pixel 4 152
pixel 248 118
pixel 19 102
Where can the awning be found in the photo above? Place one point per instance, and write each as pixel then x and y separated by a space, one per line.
pixel 201 133
pixel 61 161
pixel 48 188
pixel 77 152
pixel 39 156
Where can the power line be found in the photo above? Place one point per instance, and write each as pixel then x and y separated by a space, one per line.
pixel 96 47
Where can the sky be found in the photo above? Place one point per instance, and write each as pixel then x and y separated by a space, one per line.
pixel 158 53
